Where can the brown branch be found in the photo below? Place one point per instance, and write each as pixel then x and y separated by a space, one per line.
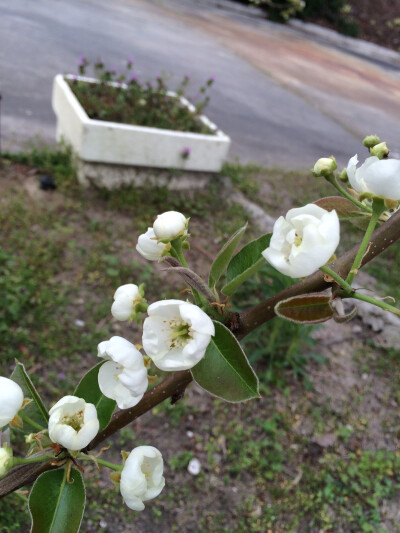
pixel 174 385
pixel 241 324
pixel 381 239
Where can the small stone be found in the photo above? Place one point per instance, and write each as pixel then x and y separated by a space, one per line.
pixel 364 376
pixel 194 467
pixel 79 323
pixel 189 434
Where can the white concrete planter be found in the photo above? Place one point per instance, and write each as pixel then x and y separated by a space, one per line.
pixel 96 141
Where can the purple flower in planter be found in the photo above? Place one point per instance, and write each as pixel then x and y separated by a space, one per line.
pixel 185 154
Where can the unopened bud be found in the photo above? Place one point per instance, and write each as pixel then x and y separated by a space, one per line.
pixel 380 150
pixel 6 460
pixel 343 175
pixel 371 140
pixel 324 167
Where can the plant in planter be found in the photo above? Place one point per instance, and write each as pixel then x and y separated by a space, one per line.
pixel 116 120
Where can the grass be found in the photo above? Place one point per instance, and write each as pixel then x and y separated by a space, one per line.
pixel 62 256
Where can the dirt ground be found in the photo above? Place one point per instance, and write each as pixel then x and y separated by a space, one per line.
pixel 264 462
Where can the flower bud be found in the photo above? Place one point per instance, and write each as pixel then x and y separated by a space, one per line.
pixel 6 460
pixel 371 140
pixel 128 302
pixel 343 175
pixel 380 150
pixel 170 225
pixel 324 167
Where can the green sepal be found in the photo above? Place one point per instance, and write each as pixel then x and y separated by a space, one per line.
pixel 88 389
pixel 224 256
pixel 36 409
pixel 56 504
pixel 245 263
pixel 225 371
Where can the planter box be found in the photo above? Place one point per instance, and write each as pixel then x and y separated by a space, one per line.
pixel 110 143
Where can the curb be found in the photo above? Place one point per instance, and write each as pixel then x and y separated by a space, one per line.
pixel 359 47
pixel 356 46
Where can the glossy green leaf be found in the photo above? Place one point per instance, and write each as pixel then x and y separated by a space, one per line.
pixel 56 504
pixel 245 263
pixel 225 371
pixel 89 390
pixel 306 308
pixel 224 256
pixel 36 409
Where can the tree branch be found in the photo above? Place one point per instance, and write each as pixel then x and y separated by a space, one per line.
pixel 241 324
pixel 381 239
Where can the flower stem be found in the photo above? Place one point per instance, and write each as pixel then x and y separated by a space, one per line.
pixel 101 462
pixel 339 280
pixel 374 301
pixel 28 460
pixel 347 195
pixel 378 207
pixel 176 251
pixel 349 292
pixel 29 421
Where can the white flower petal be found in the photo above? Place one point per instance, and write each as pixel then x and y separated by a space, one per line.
pixel 303 242
pixel 141 477
pixel 11 399
pixel 172 333
pixel 60 428
pixel 148 246
pixel 169 225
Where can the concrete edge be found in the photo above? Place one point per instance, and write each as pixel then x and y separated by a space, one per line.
pixel 357 46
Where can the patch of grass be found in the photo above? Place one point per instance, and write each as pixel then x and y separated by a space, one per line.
pixel 14 515
pixel 58 162
pixel 280 344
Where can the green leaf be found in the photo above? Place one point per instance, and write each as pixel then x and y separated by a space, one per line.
pixel 224 256
pixel 36 409
pixel 245 263
pixel 56 504
pixel 306 309
pixel 89 390
pixel 225 371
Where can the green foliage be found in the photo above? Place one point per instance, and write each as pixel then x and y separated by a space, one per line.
pixel 224 256
pixel 56 503
pixel 335 12
pixel 14 517
pixel 355 486
pixel 232 378
pixel 279 345
pixel 180 461
pixel 88 389
pixel 57 162
pixel 245 263
pixel 122 98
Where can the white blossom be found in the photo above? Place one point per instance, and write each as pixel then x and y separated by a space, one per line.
pixel 125 298
pixel 123 377
pixel 380 177
pixel 142 476
pixel 73 423
pixel 176 334
pixel 149 248
pixel 6 455
pixel 303 241
pixel 170 225
pixel 11 400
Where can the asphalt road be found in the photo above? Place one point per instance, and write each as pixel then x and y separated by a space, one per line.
pixel 275 93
